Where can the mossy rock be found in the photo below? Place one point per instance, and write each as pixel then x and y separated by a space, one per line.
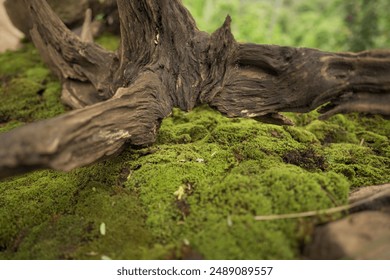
pixel 194 193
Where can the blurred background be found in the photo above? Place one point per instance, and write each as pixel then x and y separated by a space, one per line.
pixel 333 25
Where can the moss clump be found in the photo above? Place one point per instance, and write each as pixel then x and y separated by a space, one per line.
pixel 28 90
pixel 51 215
pixel 361 165
pixel 9 125
pixel 206 192
pixel 16 62
pixel 194 193
pixel 331 132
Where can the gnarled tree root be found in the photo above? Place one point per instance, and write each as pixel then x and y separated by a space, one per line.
pixel 164 61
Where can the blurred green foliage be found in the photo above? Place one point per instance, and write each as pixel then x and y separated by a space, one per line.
pixel 334 25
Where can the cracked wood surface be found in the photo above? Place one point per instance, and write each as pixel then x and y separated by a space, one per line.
pixel 164 61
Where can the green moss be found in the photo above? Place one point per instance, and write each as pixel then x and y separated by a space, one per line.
pixel 28 90
pixel 194 193
pixel 330 132
pixel 17 62
pixel 378 143
pixel 108 41
pixel 215 185
pixel 51 215
pixel 359 164
pixel 26 100
pixel 241 195
pixel 302 135
pixel 9 125
pixel 215 193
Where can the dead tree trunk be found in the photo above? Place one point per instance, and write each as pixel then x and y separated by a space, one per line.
pixel 164 61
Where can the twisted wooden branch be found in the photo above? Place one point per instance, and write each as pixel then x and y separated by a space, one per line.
pixel 164 61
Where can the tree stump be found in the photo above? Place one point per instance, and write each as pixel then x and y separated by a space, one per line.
pixel 164 61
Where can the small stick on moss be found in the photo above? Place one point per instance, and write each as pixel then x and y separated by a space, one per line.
pixel 353 206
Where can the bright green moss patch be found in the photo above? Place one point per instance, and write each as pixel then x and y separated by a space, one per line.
pixel 194 193
pixel 359 164
pixel 221 214
pixel 17 62
pixel 331 132
pixel 207 192
pixel 51 215
pixel 28 90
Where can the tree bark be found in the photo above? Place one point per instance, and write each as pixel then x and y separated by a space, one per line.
pixel 164 61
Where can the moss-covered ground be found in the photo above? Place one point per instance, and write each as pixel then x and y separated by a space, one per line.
pixel 194 193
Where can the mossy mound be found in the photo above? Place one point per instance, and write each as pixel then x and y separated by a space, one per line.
pixel 28 91
pixel 194 193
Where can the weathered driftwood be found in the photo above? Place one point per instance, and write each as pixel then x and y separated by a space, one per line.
pixel 164 61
